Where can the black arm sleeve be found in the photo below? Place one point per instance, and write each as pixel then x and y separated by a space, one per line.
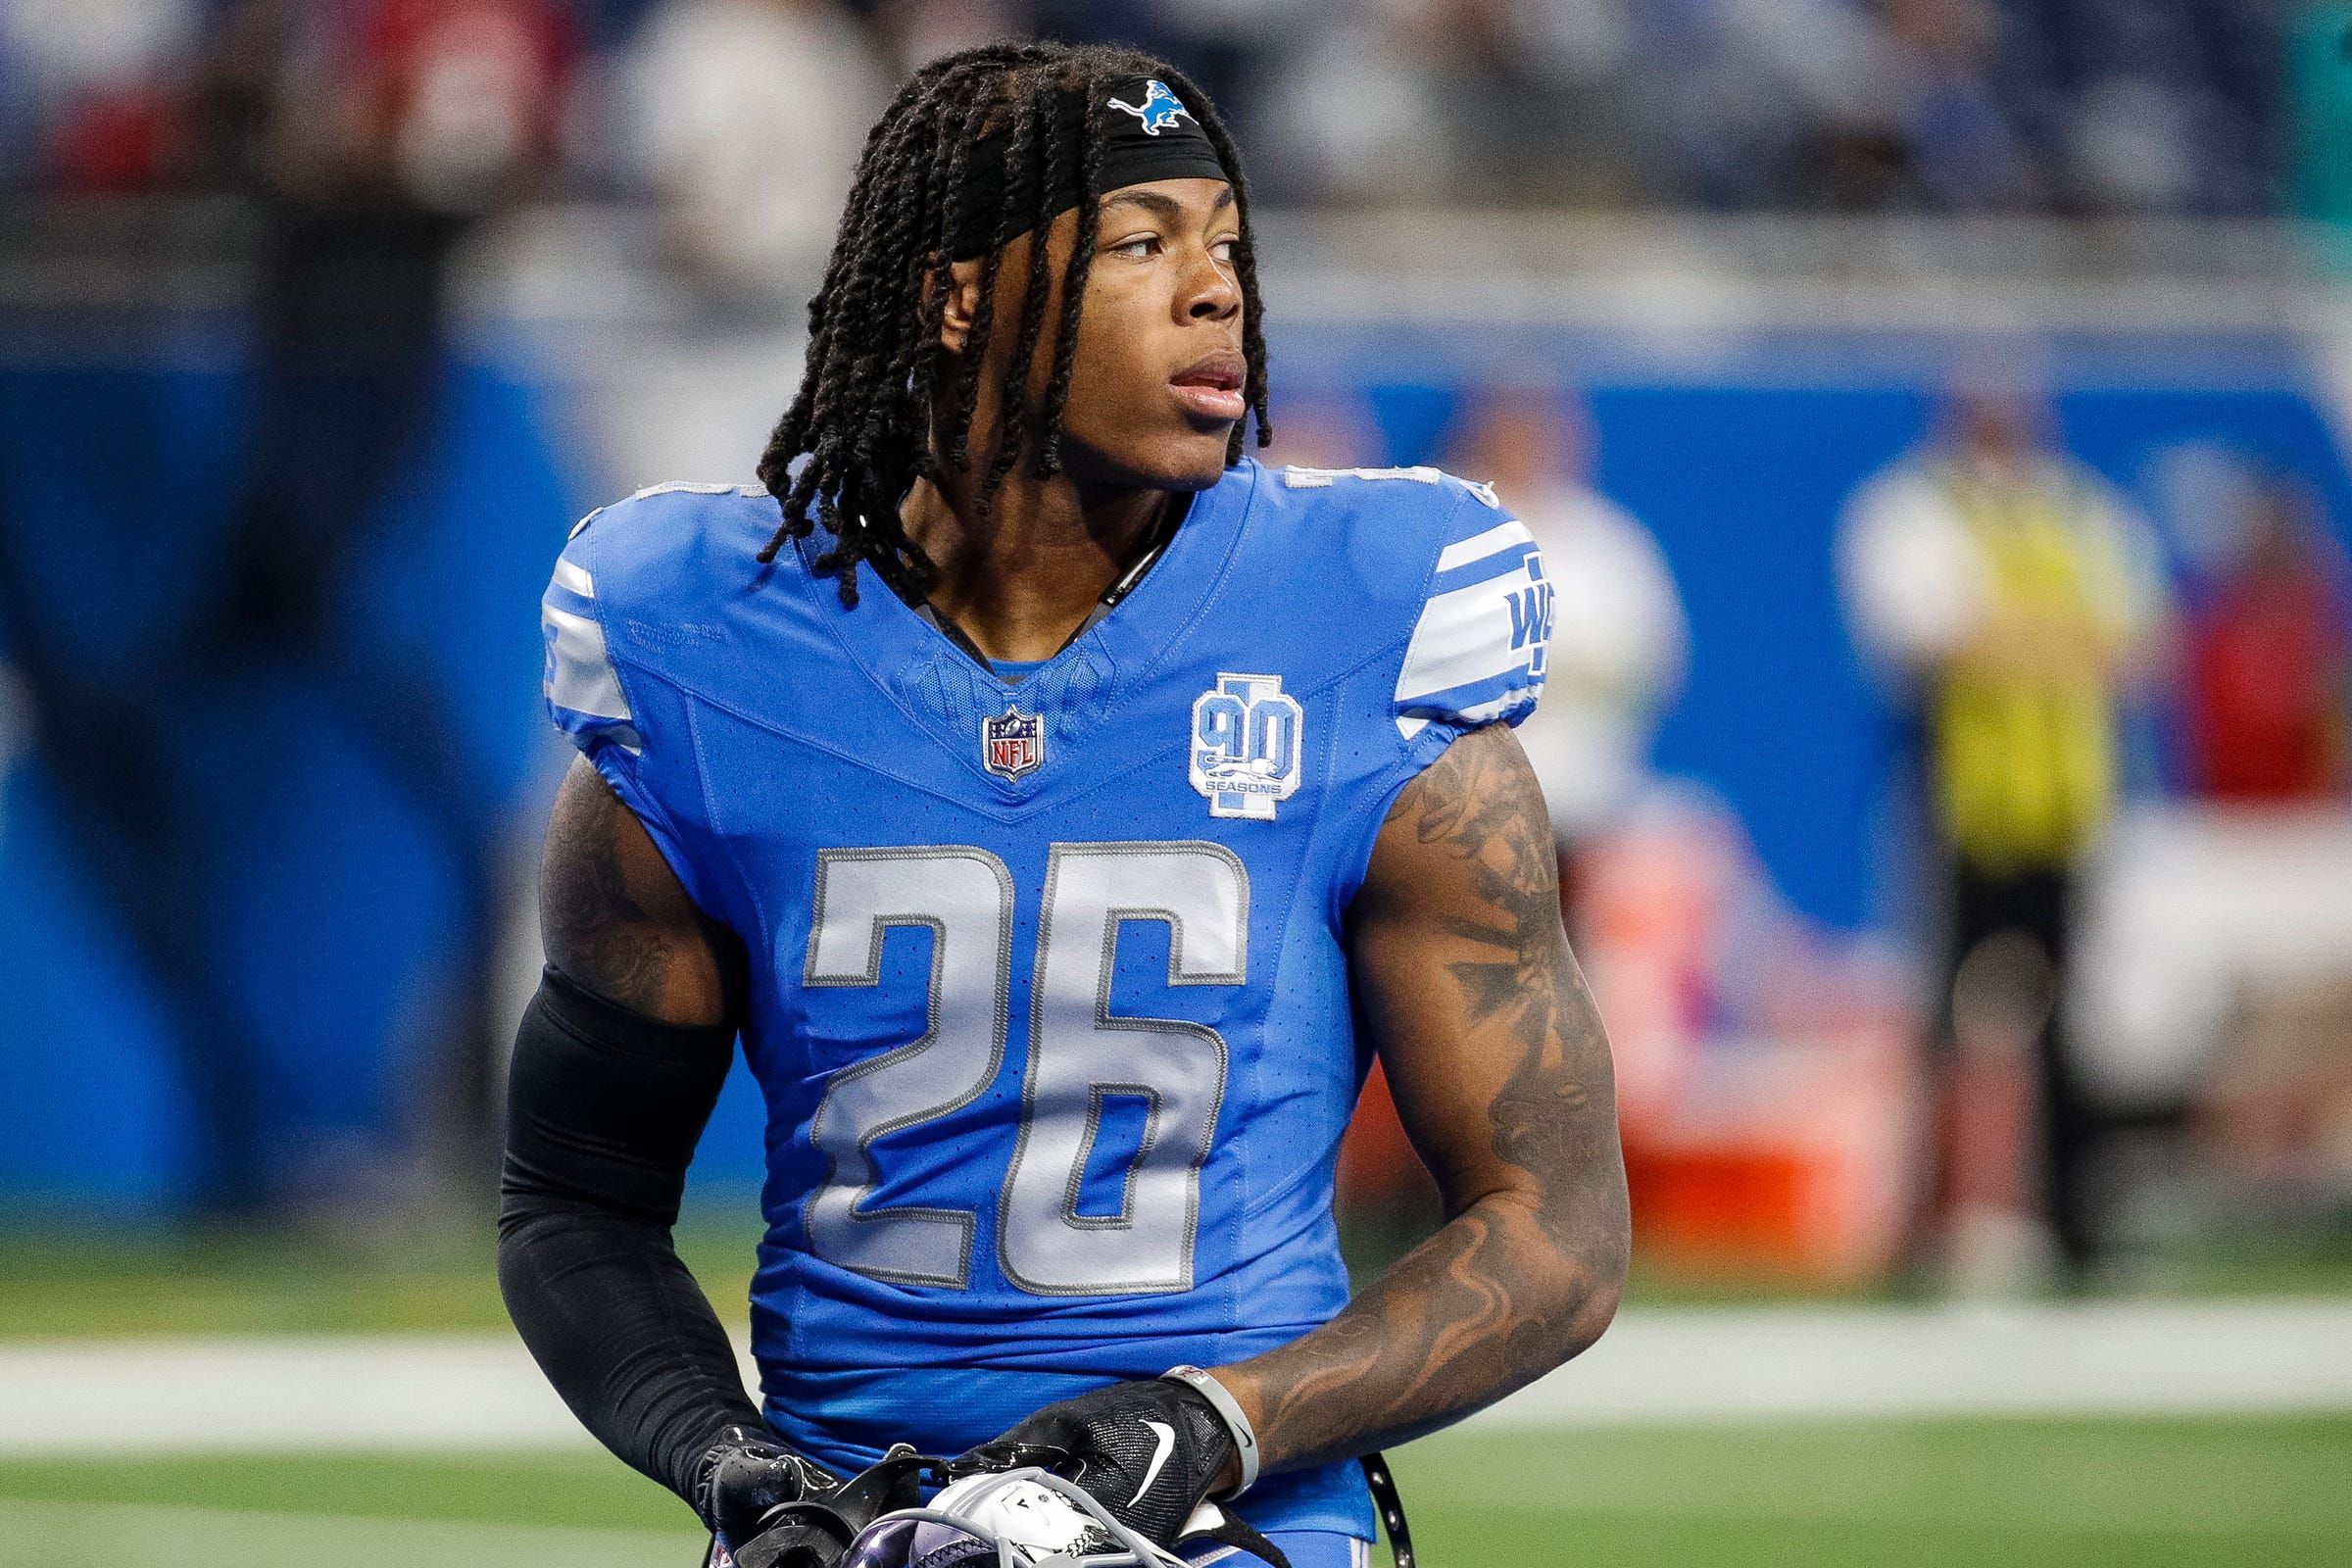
pixel 604 1107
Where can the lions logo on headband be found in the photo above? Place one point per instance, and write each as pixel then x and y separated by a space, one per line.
pixel 1159 109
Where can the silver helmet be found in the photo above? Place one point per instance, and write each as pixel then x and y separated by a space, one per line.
pixel 1028 1518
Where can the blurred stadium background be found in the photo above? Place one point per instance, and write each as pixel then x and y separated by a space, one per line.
pixel 1936 413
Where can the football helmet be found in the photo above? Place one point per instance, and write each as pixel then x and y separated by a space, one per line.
pixel 1025 1518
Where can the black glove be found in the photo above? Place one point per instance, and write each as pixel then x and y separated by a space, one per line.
pixel 746 1476
pixel 1148 1451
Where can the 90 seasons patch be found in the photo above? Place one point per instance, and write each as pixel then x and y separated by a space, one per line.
pixel 1244 751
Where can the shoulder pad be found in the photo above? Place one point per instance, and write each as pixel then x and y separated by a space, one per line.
pixel 1477 654
pixel 582 687
pixel 652 559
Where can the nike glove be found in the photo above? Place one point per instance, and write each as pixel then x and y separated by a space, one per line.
pixel 745 1477
pixel 1148 1451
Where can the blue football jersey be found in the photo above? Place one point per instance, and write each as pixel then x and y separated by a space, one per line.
pixel 1049 993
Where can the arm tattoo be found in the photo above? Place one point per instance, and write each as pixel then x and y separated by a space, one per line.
pixel 1525 983
pixel 613 917
pixel 1526 1272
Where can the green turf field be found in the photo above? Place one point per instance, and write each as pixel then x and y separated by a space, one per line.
pixel 2269 1492
pixel 100 1284
pixel 2273 1492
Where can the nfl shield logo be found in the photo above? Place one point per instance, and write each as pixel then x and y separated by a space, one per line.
pixel 1013 743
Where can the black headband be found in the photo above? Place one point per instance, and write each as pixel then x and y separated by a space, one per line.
pixel 1145 131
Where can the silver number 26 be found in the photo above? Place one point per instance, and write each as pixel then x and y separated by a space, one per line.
pixel 1080 1055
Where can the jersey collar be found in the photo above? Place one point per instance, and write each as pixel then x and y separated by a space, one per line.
pixel 910 658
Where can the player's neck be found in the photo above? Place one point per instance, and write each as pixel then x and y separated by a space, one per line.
pixel 1023 581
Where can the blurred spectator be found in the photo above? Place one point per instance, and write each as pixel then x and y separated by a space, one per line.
pixel 2168 107
pixel 372 137
pixel 749 115
pixel 84 88
pixel 2269 660
pixel 1616 654
pixel 1617 641
pixel 1355 110
pixel 386 130
pixel 1965 151
pixel 1534 95
pixel 1743 99
pixel 1947 105
pixel 2012 596
pixel 445 106
pixel 394 129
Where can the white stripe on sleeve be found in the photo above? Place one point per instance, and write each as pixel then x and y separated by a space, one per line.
pixel 1468 636
pixel 580 670
pixel 1479 547
pixel 574 576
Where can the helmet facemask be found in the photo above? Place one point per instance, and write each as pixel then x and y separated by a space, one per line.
pixel 1026 1518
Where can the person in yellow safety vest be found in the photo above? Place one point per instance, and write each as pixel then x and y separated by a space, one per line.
pixel 2013 598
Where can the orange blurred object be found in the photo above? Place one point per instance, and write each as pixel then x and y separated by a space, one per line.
pixel 1791 1162
pixel 1767 1071
pixel 1377 1163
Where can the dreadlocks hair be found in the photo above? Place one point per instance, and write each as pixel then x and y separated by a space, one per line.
pixel 861 430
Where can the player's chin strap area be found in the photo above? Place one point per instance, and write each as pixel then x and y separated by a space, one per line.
pixel 1389 1503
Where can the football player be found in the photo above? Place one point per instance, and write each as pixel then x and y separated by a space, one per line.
pixel 1061 808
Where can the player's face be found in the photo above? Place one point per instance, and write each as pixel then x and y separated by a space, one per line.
pixel 1155 383
pixel 1156 387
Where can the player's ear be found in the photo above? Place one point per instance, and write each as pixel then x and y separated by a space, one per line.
pixel 962 303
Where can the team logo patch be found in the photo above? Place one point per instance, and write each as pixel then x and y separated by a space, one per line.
pixel 1013 743
pixel 1159 109
pixel 1244 751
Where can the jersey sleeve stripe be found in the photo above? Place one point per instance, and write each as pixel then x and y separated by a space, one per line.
pixel 1511 531
pixel 573 577
pixel 566 600
pixel 1477 701
pixel 1468 636
pixel 1509 558
pixel 580 677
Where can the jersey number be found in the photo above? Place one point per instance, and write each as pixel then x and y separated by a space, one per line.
pixel 1081 1055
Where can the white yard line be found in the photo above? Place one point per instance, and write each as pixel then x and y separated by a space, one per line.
pixel 85 1534
pixel 1809 1498
pixel 481 1391
pixel 394 1391
pixel 2102 1358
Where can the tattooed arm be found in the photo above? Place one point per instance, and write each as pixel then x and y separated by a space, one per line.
pixel 1501 1077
